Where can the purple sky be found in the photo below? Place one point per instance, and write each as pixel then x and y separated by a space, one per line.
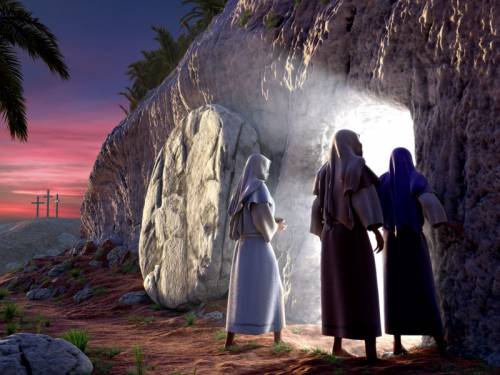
pixel 68 121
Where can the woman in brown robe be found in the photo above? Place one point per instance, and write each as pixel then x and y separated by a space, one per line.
pixel 346 205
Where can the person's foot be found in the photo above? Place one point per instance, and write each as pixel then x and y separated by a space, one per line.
pixel 342 353
pixel 400 350
pixel 229 340
pixel 277 337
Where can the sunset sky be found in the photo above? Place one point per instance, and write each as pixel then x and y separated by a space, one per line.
pixel 69 120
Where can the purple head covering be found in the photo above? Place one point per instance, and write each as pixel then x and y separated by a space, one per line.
pixel 398 191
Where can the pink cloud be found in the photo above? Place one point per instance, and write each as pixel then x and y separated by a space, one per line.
pixel 58 156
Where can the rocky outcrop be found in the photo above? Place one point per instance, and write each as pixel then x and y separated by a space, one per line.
pixel 24 240
pixel 183 252
pixel 285 66
pixel 30 354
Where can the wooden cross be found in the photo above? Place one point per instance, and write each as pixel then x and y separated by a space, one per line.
pixel 57 205
pixel 47 199
pixel 38 203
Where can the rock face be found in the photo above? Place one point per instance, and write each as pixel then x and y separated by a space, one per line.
pixel 183 252
pixel 24 240
pixel 27 353
pixel 285 69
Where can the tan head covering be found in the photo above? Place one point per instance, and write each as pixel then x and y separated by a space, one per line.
pixel 346 166
pixel 252 179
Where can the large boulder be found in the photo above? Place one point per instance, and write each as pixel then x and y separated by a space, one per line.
pixel 30 354
pixel 280 65
pixel 184 253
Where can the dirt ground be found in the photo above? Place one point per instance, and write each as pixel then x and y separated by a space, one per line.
pixel 172 346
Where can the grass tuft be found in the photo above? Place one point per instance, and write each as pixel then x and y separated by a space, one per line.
pixel 79 338
pixel 139 360
pixel 190 318
pixel 9 311
pixel 141 320
pixel 281 347
pixel 220 334
pixel 330 358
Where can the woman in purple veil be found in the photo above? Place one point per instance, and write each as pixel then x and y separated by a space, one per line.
pixel 410 299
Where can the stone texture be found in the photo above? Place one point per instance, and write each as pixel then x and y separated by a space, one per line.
pixel 437 59
pixel 214 315
pixel 134 298
pixel 39 294
pixel 116 256
pixel 183 252
pixel 83 294
pixel 30 354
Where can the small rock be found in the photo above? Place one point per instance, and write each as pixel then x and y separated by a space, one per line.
pixel 39 294
pixel 83 294
pixel 58 269
pixel 28 353
pixel 59 290
pixel 88 249
pixel 214 315
pixel 134 298
pixel 95 264
pixel 116 256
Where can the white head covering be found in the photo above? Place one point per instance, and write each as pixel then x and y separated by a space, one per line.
pixel 253 177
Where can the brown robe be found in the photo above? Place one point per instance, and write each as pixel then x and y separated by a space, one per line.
pixel 349 295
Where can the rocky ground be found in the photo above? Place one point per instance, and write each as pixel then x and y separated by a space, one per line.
pixel 91 288
pixel 22 240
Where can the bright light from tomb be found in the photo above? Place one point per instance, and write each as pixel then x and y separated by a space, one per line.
pixel 382 127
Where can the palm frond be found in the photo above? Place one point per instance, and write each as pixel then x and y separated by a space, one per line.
pixel 20 28
pixel 12 105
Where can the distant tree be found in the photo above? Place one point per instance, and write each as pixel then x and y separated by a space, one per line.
pixel 147 73
pixel 201 13
pixel 18 28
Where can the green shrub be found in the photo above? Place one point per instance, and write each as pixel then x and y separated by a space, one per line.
pixel 79 338
pixel 190 318
pixel 245 17
pixel 9 311
pixel 296 3
pixel 10 328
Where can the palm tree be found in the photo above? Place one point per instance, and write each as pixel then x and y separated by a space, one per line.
pixel 201 14
pixel 18 28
